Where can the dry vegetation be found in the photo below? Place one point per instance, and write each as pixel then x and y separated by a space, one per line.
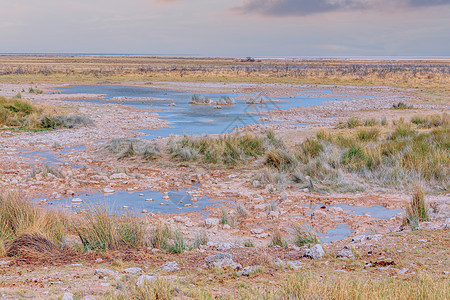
pixel 49 68
pixel 22 114
pixel 376 153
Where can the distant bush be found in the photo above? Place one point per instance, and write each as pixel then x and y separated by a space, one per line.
pixel 402 105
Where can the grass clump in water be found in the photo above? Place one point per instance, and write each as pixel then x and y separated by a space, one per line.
pixel 305 236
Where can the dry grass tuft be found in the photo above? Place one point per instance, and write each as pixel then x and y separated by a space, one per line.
pixel 32 246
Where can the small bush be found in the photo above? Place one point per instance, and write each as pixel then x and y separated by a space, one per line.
pixel 366 135
pixel 311 147
pixel 277 239
pixel 249 244
pixel 402 105
pixel 167 239
pixel 417 211
pixel 201 238
pixel 281 160
pixel 304 236
pixel 102 231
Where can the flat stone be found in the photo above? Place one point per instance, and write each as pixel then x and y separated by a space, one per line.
pixel 345 253
pixel 108 191
pixel 105 272
pixel 222 260
pixel 295 264
pixel 210 222
pixel 170 267
pixel 67 296
pixel 248 270
pixel 133 271
pixel 119 176
pixel 76 200
pixel 145 279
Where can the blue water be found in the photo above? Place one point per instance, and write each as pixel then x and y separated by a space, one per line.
pixel 339 233
pixel 50 156
pixel 185 118
pixel 136 203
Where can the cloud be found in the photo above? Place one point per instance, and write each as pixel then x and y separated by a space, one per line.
pixel 308 7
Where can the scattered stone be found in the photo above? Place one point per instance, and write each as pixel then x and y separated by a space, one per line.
pixel 257 231
pixel 108 191
pixel 248 270
pixel 119 176
pixel 166 197
pixel 76 200
pixel 294 264
pixel 67 296
pixel 105 272
pixel 210 222
pixel 256 183
pixel 403 271
pixel 4 263
pixel 144 279
pixel 222 260
pixel 345 253
pixel 133 271
pixel 422 240
pixel 225 246
pixel 170 267
pixel 315 252
pixel 144 211
pixel 149 200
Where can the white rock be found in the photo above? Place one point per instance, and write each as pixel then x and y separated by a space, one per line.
pixel 108 191
pixel 257 231
pixel 315 252
pixel 345 253
pixel 67 296
pixel 210 222
pixel 294 264
pixel 144 211
pixel 170 267
pixel 133 271
pixel 222 260
pixel 149 200
pixel 105 272
pixel 119 176
pixel 248 270
pixel 225 246
pixel 76 200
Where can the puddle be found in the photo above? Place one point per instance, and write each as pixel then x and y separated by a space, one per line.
pixel 50 157
pixel 122 202
pixel 375 211
pixel 185 118
pixel 339 233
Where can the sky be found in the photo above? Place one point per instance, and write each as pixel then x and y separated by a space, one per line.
pixel 227 27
